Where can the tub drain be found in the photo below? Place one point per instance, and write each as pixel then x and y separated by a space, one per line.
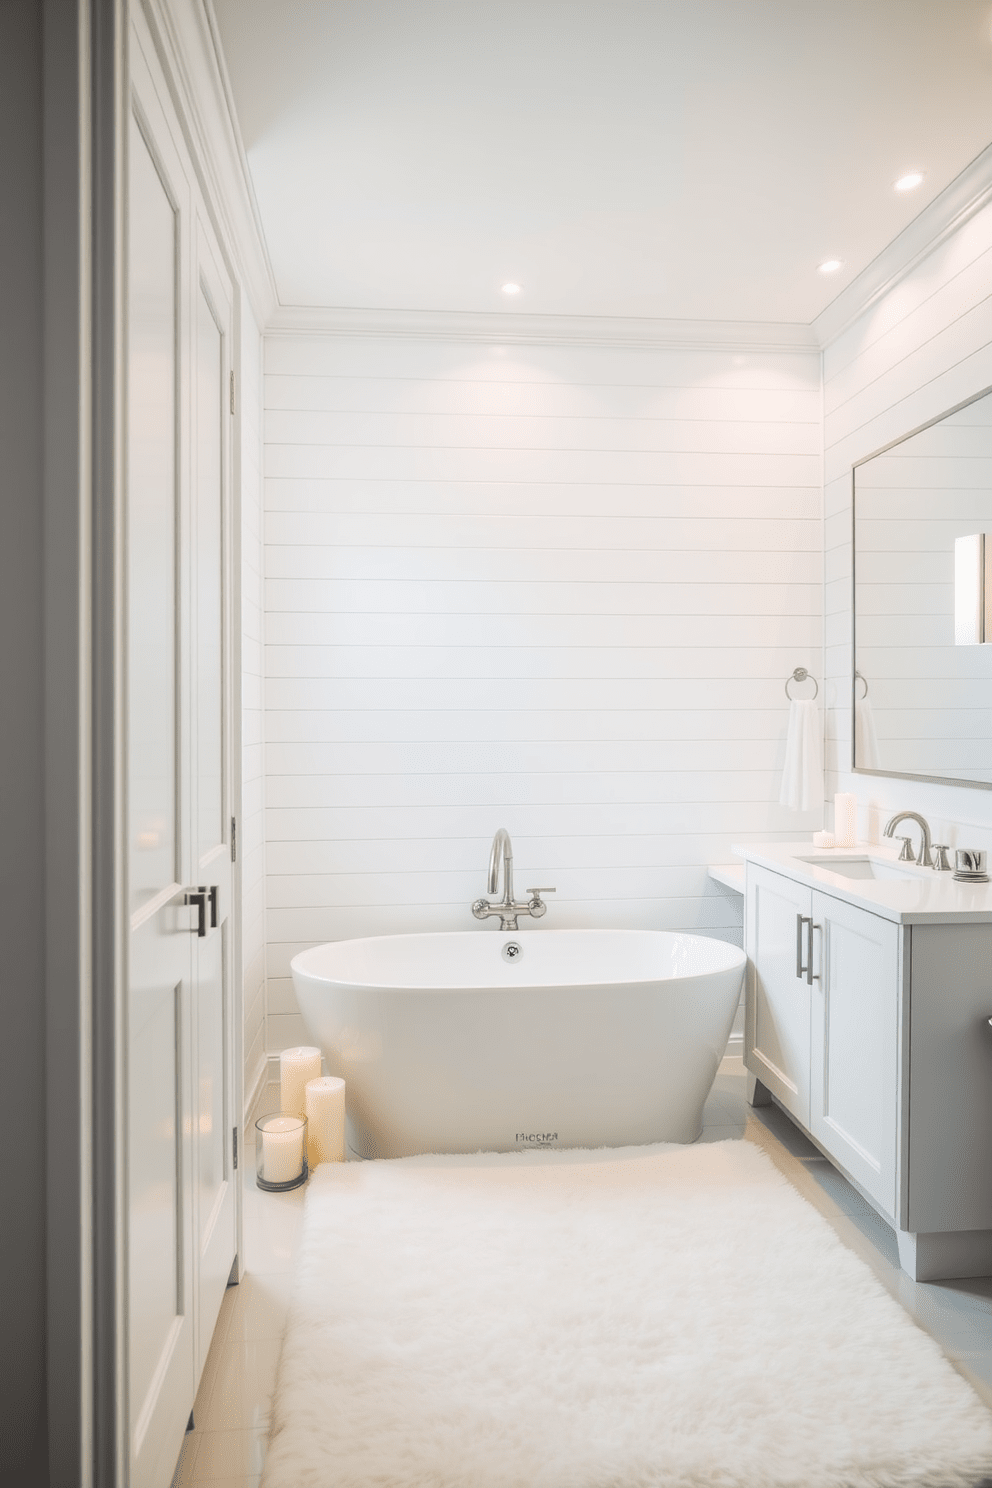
pixel 511 951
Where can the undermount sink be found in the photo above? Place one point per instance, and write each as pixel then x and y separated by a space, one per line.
pixel 861 867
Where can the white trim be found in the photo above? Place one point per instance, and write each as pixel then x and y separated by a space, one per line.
pixel 515 328
pixel 966 195
pixel 185 33
pixel 264 1076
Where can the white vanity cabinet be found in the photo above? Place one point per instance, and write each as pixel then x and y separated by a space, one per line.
pixel 822 1022
pixel 870 1028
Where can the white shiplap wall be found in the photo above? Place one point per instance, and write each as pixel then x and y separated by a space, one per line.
pixel 553 589
pixel 251 847
pixel 917 352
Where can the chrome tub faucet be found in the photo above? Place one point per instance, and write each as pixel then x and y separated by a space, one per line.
pixel 507 908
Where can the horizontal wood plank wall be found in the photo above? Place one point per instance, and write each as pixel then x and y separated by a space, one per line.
pixel 251 847
pixel 920 350
pixel 553 589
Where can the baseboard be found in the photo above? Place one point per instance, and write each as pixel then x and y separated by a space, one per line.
pixel 254 1090
pixel 267 1074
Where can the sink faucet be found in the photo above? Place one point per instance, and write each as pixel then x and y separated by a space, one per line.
pixel 906 856
pixel 507 908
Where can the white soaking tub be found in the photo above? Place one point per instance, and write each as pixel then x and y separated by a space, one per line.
pixel 578 1038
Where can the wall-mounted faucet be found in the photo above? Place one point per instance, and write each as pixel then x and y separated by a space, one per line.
pixel 507 908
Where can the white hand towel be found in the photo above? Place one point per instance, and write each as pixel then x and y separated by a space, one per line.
pixel 865 738
pixel 802 778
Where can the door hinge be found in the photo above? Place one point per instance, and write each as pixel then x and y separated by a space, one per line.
pixel 234 1146
pixel 234 839
pixel 233 396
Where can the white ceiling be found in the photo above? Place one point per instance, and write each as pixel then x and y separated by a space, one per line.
pixel 688 159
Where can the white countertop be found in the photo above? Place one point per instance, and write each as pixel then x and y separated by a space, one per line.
pixel 923 898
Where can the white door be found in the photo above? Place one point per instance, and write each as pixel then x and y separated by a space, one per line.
pixel 161 1338
pixel 777 1021
pixel 213 1124
pixel 181 1008
pixel 855 1044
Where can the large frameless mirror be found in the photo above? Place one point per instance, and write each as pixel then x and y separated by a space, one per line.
pixel 923 602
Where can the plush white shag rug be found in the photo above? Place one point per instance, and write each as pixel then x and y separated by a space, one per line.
pixel 672 1316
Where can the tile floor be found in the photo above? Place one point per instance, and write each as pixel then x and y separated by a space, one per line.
pixel 231 1415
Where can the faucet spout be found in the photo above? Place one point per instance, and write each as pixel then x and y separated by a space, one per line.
pixel 501 852
pixel 926 856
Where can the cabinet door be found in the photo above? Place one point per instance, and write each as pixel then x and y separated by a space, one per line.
pixel 776 1038
pixel 855 1045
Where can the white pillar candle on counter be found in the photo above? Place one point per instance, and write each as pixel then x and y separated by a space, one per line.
pixel 845 819
pixel 325 1120
pixel 282 1148
pixel 296 1067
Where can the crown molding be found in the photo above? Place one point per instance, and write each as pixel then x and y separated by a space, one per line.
pixel 966 195
pixel 513 328
pixel 185 34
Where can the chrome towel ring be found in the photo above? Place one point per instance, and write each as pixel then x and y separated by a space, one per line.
pixel 858 678
pixel 801 675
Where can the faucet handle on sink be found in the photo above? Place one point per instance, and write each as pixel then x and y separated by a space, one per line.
pixel 940 851
pixel 907 855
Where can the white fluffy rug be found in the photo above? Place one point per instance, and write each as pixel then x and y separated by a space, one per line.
pixel 645 1316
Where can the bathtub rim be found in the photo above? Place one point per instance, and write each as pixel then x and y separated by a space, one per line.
pixel 737 961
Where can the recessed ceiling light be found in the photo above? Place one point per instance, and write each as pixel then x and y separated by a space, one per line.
pixel 909 181
pixel 511 289
pixel 830 265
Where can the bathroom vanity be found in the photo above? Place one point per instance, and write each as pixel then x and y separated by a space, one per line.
pixel 868 995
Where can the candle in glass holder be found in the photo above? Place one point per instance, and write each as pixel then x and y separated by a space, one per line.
pixel 282 1148
pixel 296 1067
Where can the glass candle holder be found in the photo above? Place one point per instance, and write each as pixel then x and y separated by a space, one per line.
pixel 280 1152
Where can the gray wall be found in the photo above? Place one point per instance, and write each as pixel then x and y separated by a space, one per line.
pixel 22 1087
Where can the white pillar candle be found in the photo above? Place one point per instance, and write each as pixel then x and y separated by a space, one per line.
pixel 282 1149
pixel 296 1067
pixel 845 819
pixel 325 1120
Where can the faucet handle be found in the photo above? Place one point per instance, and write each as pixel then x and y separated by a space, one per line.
pixel 941 865
pixel 907 855
pixel 538 892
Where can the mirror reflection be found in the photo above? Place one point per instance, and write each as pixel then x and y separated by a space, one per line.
pixel 923 684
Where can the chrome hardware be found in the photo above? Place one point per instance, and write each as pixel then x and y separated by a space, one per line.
pixel 537 905
pixel 507 908
pixel 199 898
pixel 906 856
pixel 511 951
pixel 858 678
pixel 807 969
pixel 970 865
pixel 801 675
pixel 800 921
pixel 941 849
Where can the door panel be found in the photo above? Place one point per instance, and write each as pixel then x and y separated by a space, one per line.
pixel 152 529
pixel 211 416
pixel 853 1109
pixel 777 1025
pixel 215 1191
pixel 160 1323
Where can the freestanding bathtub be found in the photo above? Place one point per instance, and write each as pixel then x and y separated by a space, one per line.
pixel 576 1038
